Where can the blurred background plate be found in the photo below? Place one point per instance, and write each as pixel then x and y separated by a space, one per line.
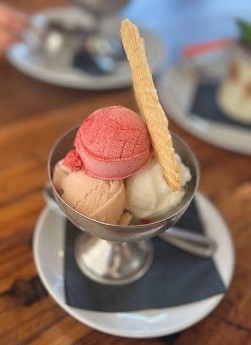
pixel 177 89
pixel 20 56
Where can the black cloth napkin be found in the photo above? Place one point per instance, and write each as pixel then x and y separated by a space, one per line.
pixel 205 105
pixel 174 278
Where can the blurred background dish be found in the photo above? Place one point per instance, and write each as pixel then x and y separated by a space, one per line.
pixel 179 90
pixel 57 39
pixel 100 7
pixel 233 96
pixel 53 60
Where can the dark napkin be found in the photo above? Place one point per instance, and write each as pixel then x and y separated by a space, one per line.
pixel 205 105
pixel 175 277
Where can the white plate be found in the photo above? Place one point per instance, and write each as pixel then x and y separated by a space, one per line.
pixel 48 249
pixel 20 57
pixel 176 90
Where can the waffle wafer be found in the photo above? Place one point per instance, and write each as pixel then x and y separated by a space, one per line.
pixel 149 105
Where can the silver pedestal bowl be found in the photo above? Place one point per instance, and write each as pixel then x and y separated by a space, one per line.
pixel 116 254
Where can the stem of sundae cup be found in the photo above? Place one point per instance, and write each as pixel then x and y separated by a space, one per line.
pixel 112 263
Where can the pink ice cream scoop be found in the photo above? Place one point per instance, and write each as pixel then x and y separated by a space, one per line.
pixel 73 161
pixel 113 143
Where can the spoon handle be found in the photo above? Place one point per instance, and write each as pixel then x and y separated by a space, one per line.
pixel 201 245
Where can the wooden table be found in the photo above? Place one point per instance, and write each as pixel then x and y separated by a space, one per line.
pixel 32 116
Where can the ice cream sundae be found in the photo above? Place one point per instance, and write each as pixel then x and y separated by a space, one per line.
pixel 122 161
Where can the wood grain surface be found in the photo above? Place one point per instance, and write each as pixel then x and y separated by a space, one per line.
pixel 32 116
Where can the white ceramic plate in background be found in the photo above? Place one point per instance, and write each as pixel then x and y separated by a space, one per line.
pixel 176 89
pixel 20 57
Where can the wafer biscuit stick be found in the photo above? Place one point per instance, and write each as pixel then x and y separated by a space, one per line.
pixel 149 105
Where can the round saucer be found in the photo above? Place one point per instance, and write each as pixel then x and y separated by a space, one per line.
pixel 48 247
pixel 20 57
pixel 185 76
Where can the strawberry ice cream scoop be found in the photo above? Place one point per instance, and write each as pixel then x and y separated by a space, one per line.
pixel 73 161
pixel 113 143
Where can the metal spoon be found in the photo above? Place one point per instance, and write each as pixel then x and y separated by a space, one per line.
pixel 201 245
pixel 197 244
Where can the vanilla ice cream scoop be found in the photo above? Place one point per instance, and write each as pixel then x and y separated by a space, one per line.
pixel 147 193
pixel 102 200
